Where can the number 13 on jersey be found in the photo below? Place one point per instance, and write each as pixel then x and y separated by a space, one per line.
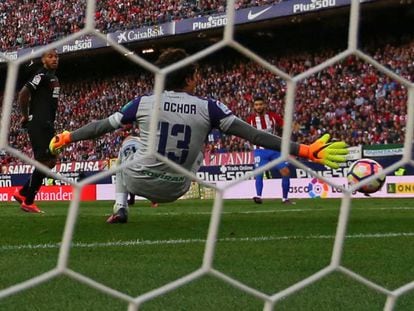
pixel 176 138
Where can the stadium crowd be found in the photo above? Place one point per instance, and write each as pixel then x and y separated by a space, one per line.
pixel 351 100
pixel 31 23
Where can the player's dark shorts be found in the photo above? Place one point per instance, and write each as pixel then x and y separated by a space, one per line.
pixel 40 136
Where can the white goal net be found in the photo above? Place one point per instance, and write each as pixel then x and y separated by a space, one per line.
pixel 206 189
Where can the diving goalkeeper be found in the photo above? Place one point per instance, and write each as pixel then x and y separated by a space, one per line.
pixel 184 122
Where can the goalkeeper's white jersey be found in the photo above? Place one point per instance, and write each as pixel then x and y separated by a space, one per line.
pixel 184 122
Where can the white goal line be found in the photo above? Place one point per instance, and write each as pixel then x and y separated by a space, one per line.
pixel 192 241
pixel 290 210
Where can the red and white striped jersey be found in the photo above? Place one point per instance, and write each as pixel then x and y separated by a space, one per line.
pixel 269 122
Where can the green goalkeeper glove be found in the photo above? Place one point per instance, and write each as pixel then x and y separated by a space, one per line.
pixel 58 142
pixel 329 154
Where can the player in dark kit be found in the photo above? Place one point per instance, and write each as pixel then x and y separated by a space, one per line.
pixel 38 100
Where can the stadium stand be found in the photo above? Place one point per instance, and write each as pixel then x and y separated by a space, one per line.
pixel 32 23
pixel 367 108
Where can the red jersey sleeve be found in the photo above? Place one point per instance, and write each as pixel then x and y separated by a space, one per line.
pixel 277 118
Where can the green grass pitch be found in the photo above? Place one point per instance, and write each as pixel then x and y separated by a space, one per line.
pixel 268 247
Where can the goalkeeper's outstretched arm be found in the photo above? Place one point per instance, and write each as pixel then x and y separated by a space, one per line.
pixel 244 130
pixel 93 130
pixel 89 131
pixel 321 151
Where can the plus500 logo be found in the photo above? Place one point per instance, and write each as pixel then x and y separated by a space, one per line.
pixel 221 177
pixel 313 6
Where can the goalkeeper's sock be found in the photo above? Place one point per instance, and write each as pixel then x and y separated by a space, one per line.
pixel 259 185
pixel 285 186
pixel 34 185
pixel 121 201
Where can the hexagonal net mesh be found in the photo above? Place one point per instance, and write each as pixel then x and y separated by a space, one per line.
pixel 206 268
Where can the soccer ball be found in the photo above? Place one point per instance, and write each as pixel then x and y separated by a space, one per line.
pixel 362 169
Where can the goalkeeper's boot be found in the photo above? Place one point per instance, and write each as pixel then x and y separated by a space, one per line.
pixel 18 196
pixel 257 200
pixel 154 204
pixel 119 217
pixel 30 208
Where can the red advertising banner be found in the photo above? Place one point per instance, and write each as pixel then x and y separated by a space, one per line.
pixel 52 193
pixel 230 158
pixel 84 166
pixel 395 187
